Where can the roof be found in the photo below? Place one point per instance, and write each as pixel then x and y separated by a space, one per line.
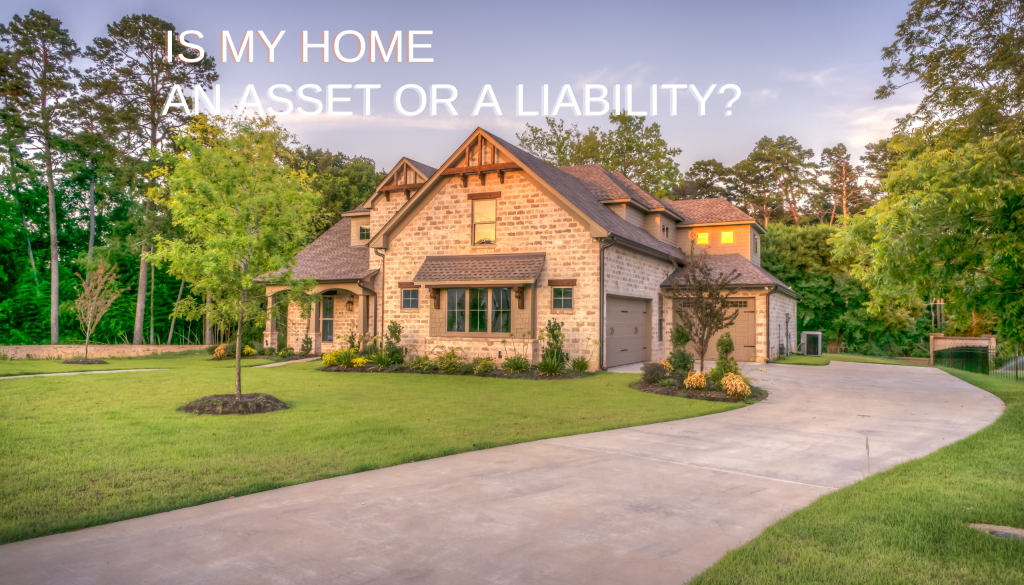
pixel 481 268
pixel 698 211
pixel 427 170
pixel 333 257
pixel 606 185
pixel 750 274
pixel 577 194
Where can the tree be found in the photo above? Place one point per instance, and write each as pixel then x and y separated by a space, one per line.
pixel 781 165
pixel 879 160
pixel 243 214
pixel 97 292
pixel 707 179
pixel 841 180
pixel 630 147
pixel 131 79
pixel 343 182
pixel 701 294
pixel 43 51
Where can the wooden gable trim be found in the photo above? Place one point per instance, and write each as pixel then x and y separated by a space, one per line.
pixel 398 180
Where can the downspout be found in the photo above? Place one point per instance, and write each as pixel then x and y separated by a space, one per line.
pixel 601 301
pixel 383 265
pixel 768 323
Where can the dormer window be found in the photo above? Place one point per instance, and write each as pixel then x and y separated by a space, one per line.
pixel 702 238
pixel 726 237
pixel 364 232
pixel 664 232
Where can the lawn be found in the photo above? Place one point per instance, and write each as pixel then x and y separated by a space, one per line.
pixel 908 524
pixel 824 359
pixel 79 451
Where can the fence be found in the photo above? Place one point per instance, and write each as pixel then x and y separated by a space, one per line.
pixel 982 360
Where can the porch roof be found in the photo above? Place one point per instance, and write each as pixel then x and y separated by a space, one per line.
pixel 480 268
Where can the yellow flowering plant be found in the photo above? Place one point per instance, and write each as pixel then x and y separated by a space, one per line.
pixel 696 381
pixel 735 386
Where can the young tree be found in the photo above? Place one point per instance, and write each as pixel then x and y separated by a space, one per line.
pixel 98 291
pixel 243 214
pixel 131 79
pixel 701 293
pixel 43 51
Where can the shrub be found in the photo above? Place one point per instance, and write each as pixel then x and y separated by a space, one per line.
pixel 247 351
pixel 421 363
pixel 681 361
pixel 696 381
pixel 450 362
pixel 286 352
pixel 360 362
pixel 221 351
pixel 554 341
pixel 269 351
pixel 735 386
pixel 653 372
pixel 725 364
pixel 211 348
pixel 483 366
pixel 392 339
pixel 515 364
pixel 329 359
pixel 345 357
pixel 667 365
pixel 580 365
pixel 667 382
pixel 679 337
pixel 550 365
pixel 384 359
pixel 307 345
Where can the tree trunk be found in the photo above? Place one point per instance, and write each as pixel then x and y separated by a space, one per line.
pixel 86 345
pixel 92 217
pixel 140 302
pixel 54 259
pixel 238 358
pixel 208 330
pixel 152 297
pixel 170 336
pixel 31 256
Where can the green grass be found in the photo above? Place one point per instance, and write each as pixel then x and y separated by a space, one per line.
pixel 28 367
pixel 908 524
pixel 824 359
pixel 84 450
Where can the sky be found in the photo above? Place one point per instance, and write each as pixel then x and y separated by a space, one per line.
pixel 807 69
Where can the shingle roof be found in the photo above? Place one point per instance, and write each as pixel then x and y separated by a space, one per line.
pixel 333 257
pixel 577 193
pixel 749 273
pixel 481 268
pixel 709 211
pixel 427 170
pixel 606 185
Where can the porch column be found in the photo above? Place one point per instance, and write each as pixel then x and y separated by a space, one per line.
pixel 270 333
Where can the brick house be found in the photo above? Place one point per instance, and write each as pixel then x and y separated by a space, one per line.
pixel 495 242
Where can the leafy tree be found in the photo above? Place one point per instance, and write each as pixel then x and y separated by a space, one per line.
pixel 779 169
pixel 701 295
pixel 343 182
pixel 244 215
pixel 38 47
pixel 879 160
pixel 707 179
pixel 630 147
pixel 130 80
pixel 841 181
pixel 98 291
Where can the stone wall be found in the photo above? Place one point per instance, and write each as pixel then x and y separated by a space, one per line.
pixel 781 306
pixel 64 352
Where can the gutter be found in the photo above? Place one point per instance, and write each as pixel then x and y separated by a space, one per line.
pixel 383 284
pixel 601 302
pixel 768 323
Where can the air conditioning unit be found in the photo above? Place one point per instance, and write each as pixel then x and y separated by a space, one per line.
pixel 811 342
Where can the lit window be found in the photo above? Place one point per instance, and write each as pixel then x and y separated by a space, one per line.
pixel 364 232
pixel 483 221
pixel 410 298
pixel 561 298
pixel 327 315
pixel 726 237
pixel 702 238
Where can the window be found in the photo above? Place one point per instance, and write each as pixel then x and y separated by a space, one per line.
pixel 664 232
pixel 726 237
pixel 327 316
pixel 757 244
pixel 486 310
pixel 410 298
pixel 561 298
pixel 364 232
pixel 484 213
pixel 702 238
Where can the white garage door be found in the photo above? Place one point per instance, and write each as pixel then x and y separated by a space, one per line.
pixel 625 331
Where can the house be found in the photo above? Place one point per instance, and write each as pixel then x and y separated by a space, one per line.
pixel 494 243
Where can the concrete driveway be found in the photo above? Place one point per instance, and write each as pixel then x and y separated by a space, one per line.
pixel 650 504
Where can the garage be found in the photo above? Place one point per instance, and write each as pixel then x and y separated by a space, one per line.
pixel 743 332
pixel 626 331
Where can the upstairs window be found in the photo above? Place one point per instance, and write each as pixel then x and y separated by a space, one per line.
pixel 364 232
pixel 484 214
pixel 757 244
pixel 726 237
pixel 702 238
pixel 664 232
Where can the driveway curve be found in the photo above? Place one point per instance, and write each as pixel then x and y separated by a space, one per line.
pixel 650 504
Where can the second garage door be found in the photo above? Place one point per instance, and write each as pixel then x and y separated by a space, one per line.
pixel 626 331
pixel 743 332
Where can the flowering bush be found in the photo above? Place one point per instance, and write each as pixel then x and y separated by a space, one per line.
pixel 735 386
pixel 247 351
pixel 667 364
pixel 696 381
pixel 483 365
pixel 221 352
pixel 360 362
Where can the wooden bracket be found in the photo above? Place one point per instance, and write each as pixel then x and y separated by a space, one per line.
pixel 408 194
pixel 483 178
pixel 501 177
pixel 465 180
pixel 521 296
pixel 435 294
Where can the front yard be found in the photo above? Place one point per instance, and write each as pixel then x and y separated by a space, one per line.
pixel 85 450
pixel 908 524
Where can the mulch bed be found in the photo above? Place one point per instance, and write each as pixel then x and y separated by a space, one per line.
pixel 497 373
pixel 228 404
pixel 84 362
pixel 756 394
pixel 244 357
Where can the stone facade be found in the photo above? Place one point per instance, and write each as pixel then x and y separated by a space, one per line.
pixel 783 313
pixel 631 274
